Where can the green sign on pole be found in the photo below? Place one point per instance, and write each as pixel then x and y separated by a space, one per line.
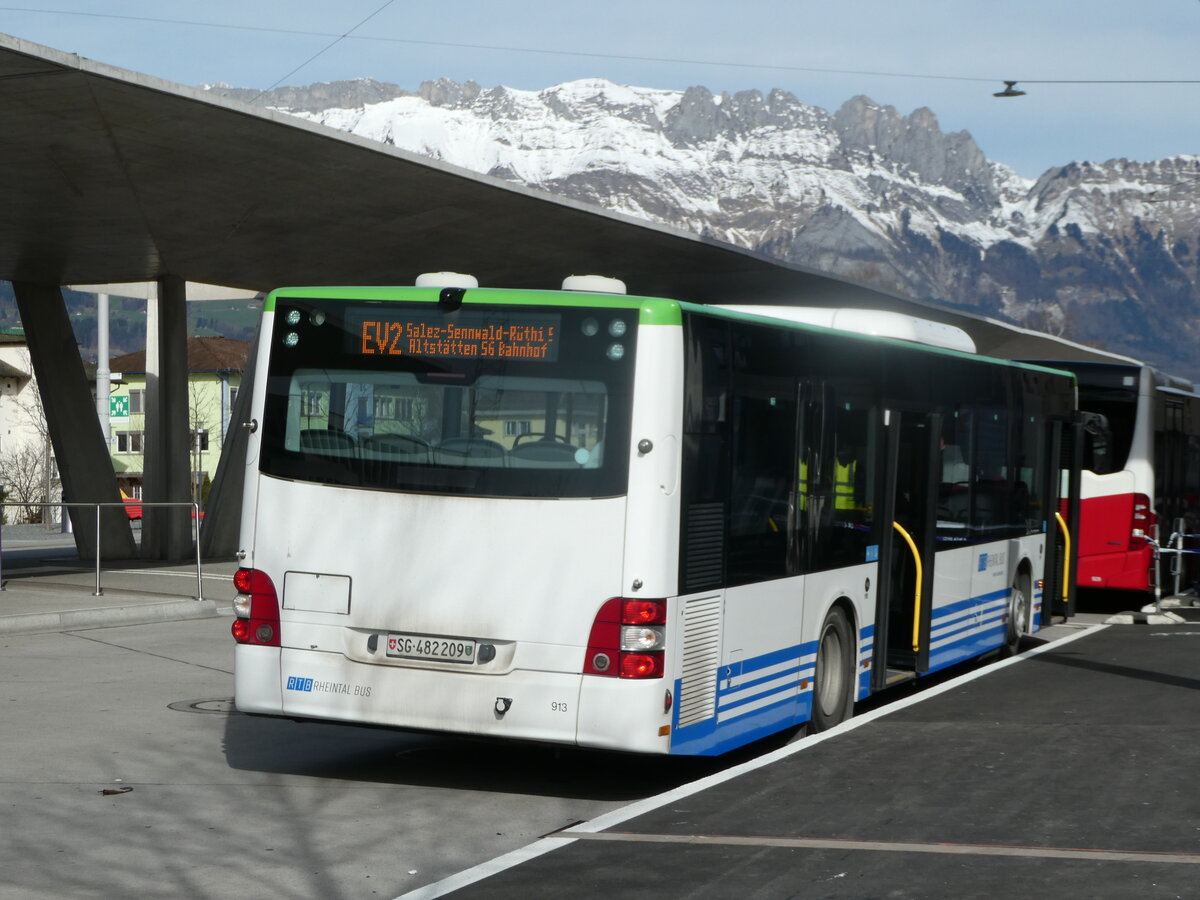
pixel 118 407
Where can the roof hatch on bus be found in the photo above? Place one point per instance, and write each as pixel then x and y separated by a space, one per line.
pixel 594 284
pixel 446 279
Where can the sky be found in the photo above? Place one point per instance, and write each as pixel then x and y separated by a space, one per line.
pixel 947 55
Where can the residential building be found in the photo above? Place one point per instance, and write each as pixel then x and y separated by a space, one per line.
pixel 215 366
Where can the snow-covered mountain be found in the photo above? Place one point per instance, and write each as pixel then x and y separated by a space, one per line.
pixel 1107 253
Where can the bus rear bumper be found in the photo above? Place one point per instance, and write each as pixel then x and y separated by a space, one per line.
pixel 1123 571
pixel 256 679
pixel 520 705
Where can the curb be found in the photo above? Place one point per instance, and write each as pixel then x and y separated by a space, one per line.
pixel 107 617
pixel 1146 618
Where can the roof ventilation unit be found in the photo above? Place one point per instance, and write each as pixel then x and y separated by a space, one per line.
pixel 446 279
pixel 595 284
pixel 874 322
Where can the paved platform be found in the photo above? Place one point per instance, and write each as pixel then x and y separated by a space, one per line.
pixel 46 587
pixel 1069 771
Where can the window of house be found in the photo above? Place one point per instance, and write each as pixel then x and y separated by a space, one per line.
pixel 385 407
pixel 130 442
pixel 311 403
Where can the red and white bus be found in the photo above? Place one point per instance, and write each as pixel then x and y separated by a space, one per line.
pixel 1141 474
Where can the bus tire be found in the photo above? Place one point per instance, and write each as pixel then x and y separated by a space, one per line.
pixel 1018 616
pixel 833 684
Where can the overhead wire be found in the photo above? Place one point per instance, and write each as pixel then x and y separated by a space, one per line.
pixel 349 35
pixel 328 46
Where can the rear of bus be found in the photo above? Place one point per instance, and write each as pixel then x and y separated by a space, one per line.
pixel 460 513
pixel 1117 517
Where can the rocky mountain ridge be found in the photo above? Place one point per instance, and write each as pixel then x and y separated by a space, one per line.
pixel 1105 253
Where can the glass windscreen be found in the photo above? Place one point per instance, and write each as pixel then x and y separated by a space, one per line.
pixel 482 400
pixel 1109 391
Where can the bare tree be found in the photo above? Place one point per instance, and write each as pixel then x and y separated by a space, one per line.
pixel 29 472
pixel 200 409
pixel 23 473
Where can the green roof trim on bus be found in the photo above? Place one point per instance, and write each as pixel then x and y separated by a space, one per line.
pixel 742 316
pixel 651 311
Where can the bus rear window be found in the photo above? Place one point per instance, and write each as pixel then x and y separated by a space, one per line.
pixel 490 402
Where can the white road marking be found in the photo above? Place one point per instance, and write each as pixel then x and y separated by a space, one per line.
pixel 591 830
pixel 732 840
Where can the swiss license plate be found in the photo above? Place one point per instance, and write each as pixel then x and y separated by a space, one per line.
pixel 416 646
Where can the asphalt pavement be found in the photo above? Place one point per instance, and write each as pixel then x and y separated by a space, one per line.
pixel 1069 770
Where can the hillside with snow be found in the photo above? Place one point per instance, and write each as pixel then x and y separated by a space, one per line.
pixel 1101 252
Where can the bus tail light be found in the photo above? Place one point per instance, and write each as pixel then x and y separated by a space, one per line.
pixel 257 609
pixel 1144 521
pixel 627 640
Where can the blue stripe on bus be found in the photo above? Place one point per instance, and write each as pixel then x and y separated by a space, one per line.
pixel 970 603
pixel 791 675
pixel 740 714
pixel 944 633
pixel 956 640
pixel 735 681
pixel 866 652
pixel 968 647
pixel 708 738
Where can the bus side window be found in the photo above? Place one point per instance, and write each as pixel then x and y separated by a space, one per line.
pixel 842 500
pixel 954 492
pixel 762 486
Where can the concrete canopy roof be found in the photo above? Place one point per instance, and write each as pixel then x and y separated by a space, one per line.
pixel 113 176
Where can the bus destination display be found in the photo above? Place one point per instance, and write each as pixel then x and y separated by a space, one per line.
pixel 474 335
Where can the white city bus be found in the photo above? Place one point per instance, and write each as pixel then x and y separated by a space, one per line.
pixel 622 522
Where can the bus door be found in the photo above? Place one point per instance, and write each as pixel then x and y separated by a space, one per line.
pixel 1060 501
pixel 910 496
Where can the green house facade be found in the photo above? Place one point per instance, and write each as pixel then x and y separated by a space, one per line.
pixel 215 367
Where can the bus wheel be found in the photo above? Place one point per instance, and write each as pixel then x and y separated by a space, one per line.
pixel 833 691
pixel 1018 617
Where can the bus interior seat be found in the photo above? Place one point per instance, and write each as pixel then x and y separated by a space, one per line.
pixel 990 501
pixel 395 446
pixel 954 501
pixel 326 441
pixel 544 454
pixel 479 451
pixel 954 468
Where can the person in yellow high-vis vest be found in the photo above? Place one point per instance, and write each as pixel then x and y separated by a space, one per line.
pixel 844 495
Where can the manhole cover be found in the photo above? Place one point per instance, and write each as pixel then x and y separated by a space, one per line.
pixel 222 706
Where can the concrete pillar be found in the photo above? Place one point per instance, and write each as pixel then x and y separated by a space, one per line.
pixel 103 373
pixel 220 533
pixel 79 447
pixel 167 533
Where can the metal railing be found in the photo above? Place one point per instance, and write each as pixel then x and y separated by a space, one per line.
pixel 1176 547
pixel 99 591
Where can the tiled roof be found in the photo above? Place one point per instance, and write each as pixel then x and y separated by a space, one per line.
pixel 205 354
